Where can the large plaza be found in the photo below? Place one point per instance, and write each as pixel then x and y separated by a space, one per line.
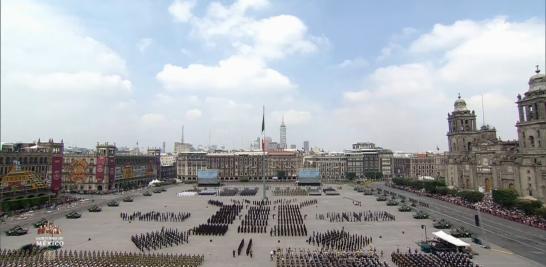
pixel 106 230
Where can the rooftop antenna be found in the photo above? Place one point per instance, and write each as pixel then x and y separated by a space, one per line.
pixel 182 137
pixel 483 113
pixel 537 70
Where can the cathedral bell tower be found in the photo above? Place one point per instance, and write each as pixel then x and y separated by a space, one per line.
pixel 462 127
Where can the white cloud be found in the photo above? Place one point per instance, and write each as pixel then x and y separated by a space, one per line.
pixel 74 84
pixel 181 10
pixel 235 74
pixel 144 43
pixel 193 114
pixel 152 119
pixel 355 63
pixel 80 82
pixel 255 43
pixel 492 57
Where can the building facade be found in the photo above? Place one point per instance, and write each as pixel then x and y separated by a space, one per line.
pixel 103 170
pixel 236 166
pixel 332 166
pixel 479 160
pixel 30 169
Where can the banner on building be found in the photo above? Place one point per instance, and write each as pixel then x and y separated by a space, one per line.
pixel 99 170
pixel 56 173
pixel 111 172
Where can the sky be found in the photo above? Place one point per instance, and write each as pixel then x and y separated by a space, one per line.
pixel 386 72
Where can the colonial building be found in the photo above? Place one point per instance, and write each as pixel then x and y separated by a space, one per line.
pixel 366 160
pixel 428 165
pixel 332 166
pixel 240 165
pixel 477 159
pixel 43 159
pixel 103 170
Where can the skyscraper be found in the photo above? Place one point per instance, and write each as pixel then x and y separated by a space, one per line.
pixel 306 146
pixel 283 135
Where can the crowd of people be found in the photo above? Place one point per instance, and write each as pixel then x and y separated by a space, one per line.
pixel 155 216
pixel 351 216
pixel 339 240
pixel 290 191
pixel 308 202
pixel 441 259
pixel 288 258
pixel 289 222
pixel 166 237
pixel 256 220
pixel 40 258
pixel 487 205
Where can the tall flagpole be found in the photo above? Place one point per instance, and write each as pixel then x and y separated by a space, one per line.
pixel 263 151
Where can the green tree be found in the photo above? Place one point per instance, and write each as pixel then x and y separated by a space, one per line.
pixel 471 196
pixel 529 206
pixel 505 197
pixel 350 176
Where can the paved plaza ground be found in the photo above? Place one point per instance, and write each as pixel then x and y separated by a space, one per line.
pixel 108 232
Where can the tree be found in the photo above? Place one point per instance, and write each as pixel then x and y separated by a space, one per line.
pixel 350 176
pixel 529 206
pixel 471 196
pixel 505 197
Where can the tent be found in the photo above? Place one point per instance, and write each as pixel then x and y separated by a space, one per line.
pixel 153 182
pixel 450 239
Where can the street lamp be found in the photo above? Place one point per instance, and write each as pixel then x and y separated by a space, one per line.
pixel 425 228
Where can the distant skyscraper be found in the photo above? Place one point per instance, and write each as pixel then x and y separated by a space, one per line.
pixel 293 147
pixel 306 146
pixel 283 135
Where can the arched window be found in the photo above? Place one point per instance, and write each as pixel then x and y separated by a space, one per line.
pixel 531 141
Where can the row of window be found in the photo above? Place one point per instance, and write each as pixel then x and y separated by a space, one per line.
pixel 24 160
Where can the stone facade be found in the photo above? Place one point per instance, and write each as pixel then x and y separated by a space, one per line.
pixel 478 159
pixel 240 165
pixel 103 170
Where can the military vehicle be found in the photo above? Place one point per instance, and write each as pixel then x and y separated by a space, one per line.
pixel 40 223
pixel 147 194
pixel 441 224
pixel 404 208
pixel 73 215
pixel 392 202
pixel 420 215
pixel 95 208
pixel 112 203
pixel 128 199
pixel 381 198
pixel 16 231
pixel 460 232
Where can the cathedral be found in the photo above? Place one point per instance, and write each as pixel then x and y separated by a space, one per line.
pixel 478 160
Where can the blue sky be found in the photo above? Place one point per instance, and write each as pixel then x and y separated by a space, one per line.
pixel 380 71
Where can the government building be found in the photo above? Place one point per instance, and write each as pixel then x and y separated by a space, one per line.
pixel 479 160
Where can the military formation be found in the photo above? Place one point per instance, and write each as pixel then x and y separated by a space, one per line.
pixel 352 216
pixel 289 221
pixel 441 259
pixel 339 240
pixel 69 258
pixel 166 237
pixel 155 216
pixel 306 258
pixel 256 220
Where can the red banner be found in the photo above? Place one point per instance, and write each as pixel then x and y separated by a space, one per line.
pixel 100 169
pixel 111 172
pixel 56 173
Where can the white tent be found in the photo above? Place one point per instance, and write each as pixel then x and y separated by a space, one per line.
pixel 450 239
pixel 153 182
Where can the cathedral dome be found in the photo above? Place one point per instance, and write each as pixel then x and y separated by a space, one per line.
pixel 537 82
pixel 460 104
